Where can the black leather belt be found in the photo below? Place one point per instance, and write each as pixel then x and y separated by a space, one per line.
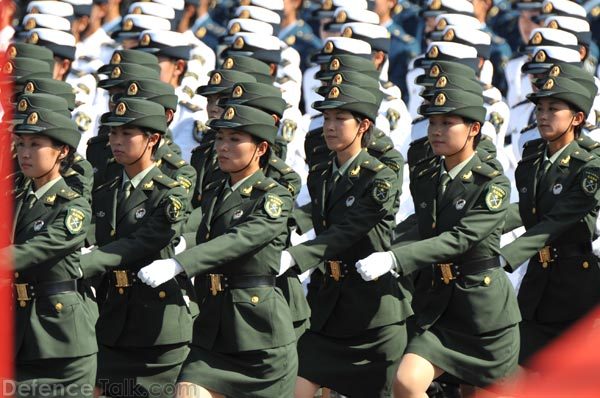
pixel 549 254
pixel 219 282
pixel 450 271
pixel 26 291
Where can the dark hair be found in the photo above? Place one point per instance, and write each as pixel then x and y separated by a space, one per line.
pixel 364 142
pixel 264 159
pixel 148 132
pixel 68 161
pixel 576 129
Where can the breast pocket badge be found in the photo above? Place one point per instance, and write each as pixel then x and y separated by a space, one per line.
pixel 350 201
pixel 460 204
pixel 237 214
pixel 38 225
pixel 140 213
pixel 557 189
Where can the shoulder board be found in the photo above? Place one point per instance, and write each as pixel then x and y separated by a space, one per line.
pixel 68 194
pixel 587 143
pixel 69 173
pixel 527 128
pixel 519 103
pixel 78 158
pixel 582 155
pixel 107 184
pixel 174 160
pixel 265 185
pixel 486 170
pixel 166 181
pixel 320 166
pixel 381 144
pixel 190 106
pixel 213 185
pixel 280 165
pixel 426 167
pixel 498 40
pixel 533 143
pixel 112 44
pixel 418 120
pixel 490 100
pixel 388 84
pixel 372 164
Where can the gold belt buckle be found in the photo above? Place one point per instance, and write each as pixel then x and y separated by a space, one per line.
pixel 122 279
pixel 446 272
pixel 336 269
pixel 215 283
pixel 22 293
pixel 545 256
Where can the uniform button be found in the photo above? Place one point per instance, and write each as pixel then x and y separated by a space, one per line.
pixel 58 307
pixel 112 232
pixel 16 274
pixel 433 225
pixel 544 265
pixel 487 280
pixel 23 303
pixel 121 291
pixel 254 299
pixel 324 223
pixel 207 235
pixel 162 294
pixel 533 211
pixel 586 265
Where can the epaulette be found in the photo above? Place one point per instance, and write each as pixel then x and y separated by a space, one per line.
pixel 417 120
pixel 519 103
pixel 320 166
pixel 108 184
pixel 190 106
pixel 265 185
pixel 532 149
pixel 388 84
pixel 498 39
pixel 78 158
pixel 174 160
pixel 538 142
pixel 68 194
pixel 490 100
pixel 583 155
pixel 70 173
pixel 485 170
pixel 587 143
pixel 373 165
pixel 280 165
pixel 212 185
pixel 528 128
pixel 427 166
pixel 166 181
pixel 381 144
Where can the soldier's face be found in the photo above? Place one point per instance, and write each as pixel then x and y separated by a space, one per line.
pixel 37 155
pixel 554 118
pixel 212 108
pixel 235 150
pixel 130 144
pixel 449 135
pixel 341 130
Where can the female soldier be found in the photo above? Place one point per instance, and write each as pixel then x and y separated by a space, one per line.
pixel 467 322
pixel 557 181
pixel 142 333
pixel 357 332
pixel 55 316
pixel 244 342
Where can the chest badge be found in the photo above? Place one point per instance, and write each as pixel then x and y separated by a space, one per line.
pixel 140 213
pixel 460 204
pixel 350 201
pixel 423 205
pixel 100 214
pixel 237 214
pixel 38 225
pixel 524 190
pixel 557 189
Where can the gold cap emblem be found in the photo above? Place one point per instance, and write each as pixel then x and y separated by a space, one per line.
pixel 137 10
pixel 245 2
pixel 33 38
pixel 347 32
pixel 441 82
pixel 337 79
pixel 32 118
pixel 327 5
pixel 216 78
pixel 121 109
pixel 116 73
pixel 34 10
pixel 245 14
pixel 441 25
pixel 341 17
pixel 31 24
pixel 145 40
pixel 228 63
pixel 115 59
pixel 334 64
pixel 553 25
pixel 238 43
pixel 548 8
pixel 229 114
pixel 127 24
pixel 434 71
pixel 29 88
pixel 549 84
pixel 435 5
pixel 537 38
pixel 540 56
pixel 235 28
pixel 434 52
pixel 555 71
pixel 440 99
pixel 201 32
pixel 334 93
pixel 238 91
pixel 133 89
pixel 449 35
pixel 22 106
pixel 328 49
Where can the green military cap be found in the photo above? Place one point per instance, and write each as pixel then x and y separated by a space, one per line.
pixel 249 120
pixel 21 68
pixel 566 90
pixel 119 75
pixel 350 98
pixel 27 103
pixel 347 62
pixel 152 90
pixel 137 112
pixel 453 82
pixel 575 73
pixel 251 66
pixel 51 86
pixel 544 57
pixel 444 67
pixel 131 57
pixel 455 102
pixel 221 80
pixel 51 124
pixel 265 97
pixel 356 79
pixel 27 50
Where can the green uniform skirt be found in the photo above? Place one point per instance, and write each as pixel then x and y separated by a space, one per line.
pixel 61 377
pixel 357 366
pixel 294 295
pixel 250 374
pixel 140 371
pixel 477 360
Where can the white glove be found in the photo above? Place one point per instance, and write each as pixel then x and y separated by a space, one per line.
pixel 86 250
pixel 286 262
pixel 305 275
pixel 159 272
pixel 596 247
pixel 375 265
pixel 181 246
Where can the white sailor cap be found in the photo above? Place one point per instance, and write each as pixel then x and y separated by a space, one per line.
pixel 434 8
pixel 80 7
pixel 376 35
pixel 177 5
pixel 342 45
pixel 155 9
pixel 446 51
pixel 133 24
pixel 273 5
pixel 565 8
pixel 58 8
pixel 579 27
pixel 328 7
pixel 258 13
pixel 166 43
pixel 238 25
pixel 262 47
pixel 444 20
pixel 549 37
pixel 478 39
pixel 344 15
pixel 544 57
pixel 33 21
pixel 61 43
pixel 290 57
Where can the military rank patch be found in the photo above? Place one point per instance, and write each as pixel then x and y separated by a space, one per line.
pixel 74 220
pixel 589 181
pixel 494 197
pixel 381 191
pixel 174 209
pixel 273 206
pixel 185 182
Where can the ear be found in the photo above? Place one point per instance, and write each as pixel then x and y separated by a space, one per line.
pixel 154 139
pixel 180 65
pixel 64 152
pixel 170 114
pixel 364 125
pixel 273 69
pixel 475 128
pixel 583 52
pixel 578 119
pixel 378 59
pixel 261 149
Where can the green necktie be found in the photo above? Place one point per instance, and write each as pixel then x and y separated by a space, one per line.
pixel 444 180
